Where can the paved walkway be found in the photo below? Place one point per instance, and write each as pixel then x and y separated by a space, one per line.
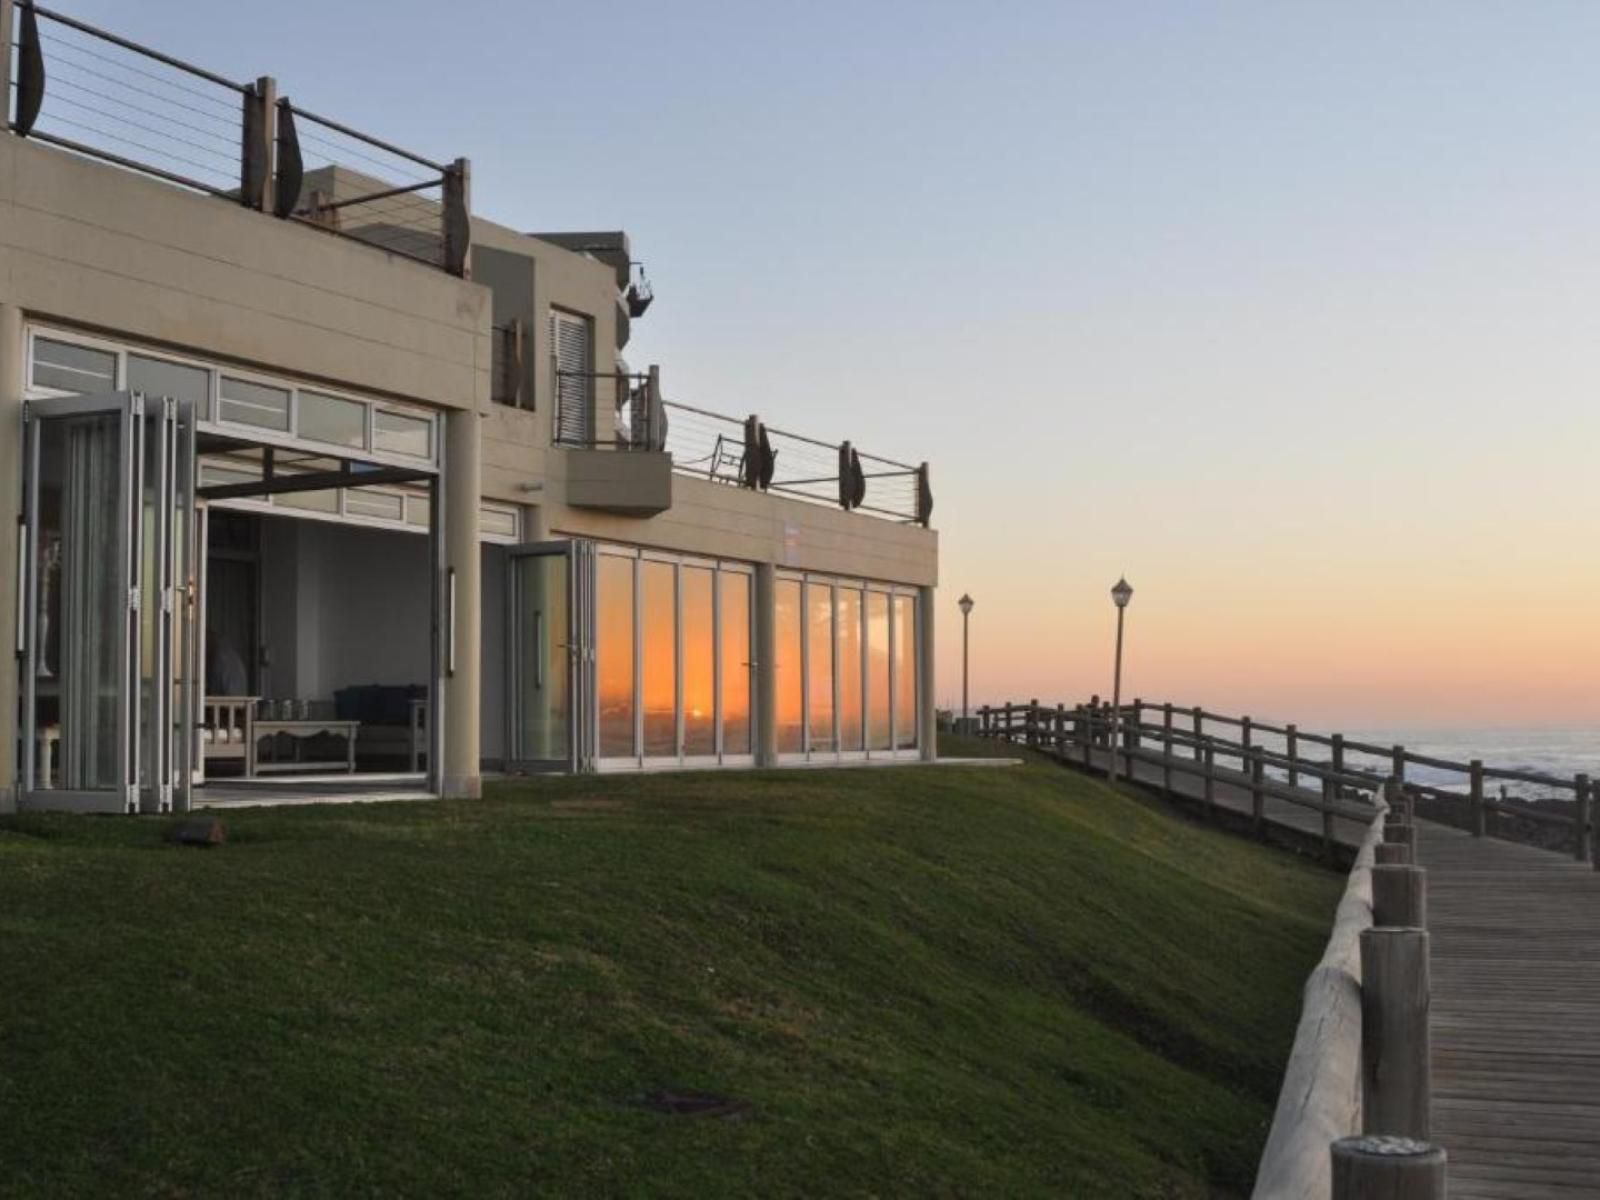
pixel 1514 936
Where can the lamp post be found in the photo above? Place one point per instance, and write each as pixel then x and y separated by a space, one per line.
pixel 966 611
pixel 1120 595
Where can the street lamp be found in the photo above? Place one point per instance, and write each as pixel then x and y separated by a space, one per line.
pixel 966 611
pixel 1120 595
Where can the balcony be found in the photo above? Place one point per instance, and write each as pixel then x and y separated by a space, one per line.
pixel 94 93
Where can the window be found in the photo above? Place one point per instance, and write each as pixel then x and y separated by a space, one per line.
pixel 157 377
pixel 398 433
pixel 244 403
pixel 71 368
pixel 332 420
pixel 572 352
pixel 381 506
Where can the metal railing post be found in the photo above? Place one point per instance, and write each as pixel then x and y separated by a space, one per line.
pixel 258 138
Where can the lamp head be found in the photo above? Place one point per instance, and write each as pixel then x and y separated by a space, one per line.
pixel 1121 593
pixel 966 604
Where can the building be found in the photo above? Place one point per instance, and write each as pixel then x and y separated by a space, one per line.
pixel 307 471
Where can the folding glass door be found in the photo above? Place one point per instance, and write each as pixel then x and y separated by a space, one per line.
pixel 551 640
pixel 105 628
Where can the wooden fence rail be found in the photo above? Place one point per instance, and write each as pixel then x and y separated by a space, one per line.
pixel 1190 740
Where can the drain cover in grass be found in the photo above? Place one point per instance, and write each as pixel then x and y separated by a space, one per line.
pixel 683 1102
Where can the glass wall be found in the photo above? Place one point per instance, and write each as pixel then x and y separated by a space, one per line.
pixel 861 662
pixel 673 673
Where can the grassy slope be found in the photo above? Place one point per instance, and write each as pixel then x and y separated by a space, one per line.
pixel 961 982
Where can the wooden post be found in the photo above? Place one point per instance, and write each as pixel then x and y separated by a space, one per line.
pixel 1244 744
pixel 1136 726
pixel 1389 1168
pixel 1258 797
pixel 1480 814
pixel 1402 833
pixel 1580 812
pixel 1291 737
pixel 1199 732
pixel 1061 731
pixel 1033 722
pixel 1391 854
pixel 1395 1070
pixel 1337 763
pixel 1398 758
pixel 1086 715
pixel 1166 748
pixel 1211 781
pixel 1400 896
pixel 1328 793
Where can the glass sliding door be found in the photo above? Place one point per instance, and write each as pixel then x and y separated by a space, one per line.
pixel 699 662
pixel 658 659
pixel 615 656
pixel 107 504
pixel 789 669
pixel 880 733
pixel 733 614
pixel 852 730
pixel 543 687
pixel 905 672
pixel 820 669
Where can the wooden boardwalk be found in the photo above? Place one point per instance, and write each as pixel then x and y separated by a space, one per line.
pixel 1515 950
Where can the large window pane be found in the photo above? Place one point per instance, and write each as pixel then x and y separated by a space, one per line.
pixel 245 403
pixel 614 665
pixel 789 668
pixel 400 434
pixel 735 663
pixel 156 377
pixel 70 368
pixel 659 612
pixel 850 705
pixel 699 663
pixel 819 664
pixel 543 622
pixel 333 420
pixel 905 670
pixel 878 733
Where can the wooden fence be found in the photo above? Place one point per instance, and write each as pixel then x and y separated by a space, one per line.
pixel 1216 747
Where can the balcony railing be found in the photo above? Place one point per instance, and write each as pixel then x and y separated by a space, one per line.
pixel 92 92
pixel 750 454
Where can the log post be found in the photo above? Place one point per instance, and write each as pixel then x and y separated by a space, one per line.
pixel 1387 1168
pixel 1211 781
pixel 1061 731
pixel 983 721
pixel 1336 755
pixel 1136 726
pixel 1086 718
pixel 1399 896
pixel 1094 715
pixel 1258 796
pixel 1398 758
pixel 1033 722
pixel 1245 744
pixel 1480 814
pixel 1199 722
pixel 1395 1069
pixel 1391 854
pixel 1291 738
pixel 1581 815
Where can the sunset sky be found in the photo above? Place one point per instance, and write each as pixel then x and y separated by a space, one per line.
pixel 1287 311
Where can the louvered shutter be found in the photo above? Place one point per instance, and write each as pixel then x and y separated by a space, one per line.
pixel 572 346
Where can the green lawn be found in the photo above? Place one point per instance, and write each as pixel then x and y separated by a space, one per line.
pixel 957 982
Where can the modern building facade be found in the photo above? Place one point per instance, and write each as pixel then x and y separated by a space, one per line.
pixel 307 470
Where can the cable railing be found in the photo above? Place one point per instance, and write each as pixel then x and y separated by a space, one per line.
pixel 97 94
pixel 749 453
